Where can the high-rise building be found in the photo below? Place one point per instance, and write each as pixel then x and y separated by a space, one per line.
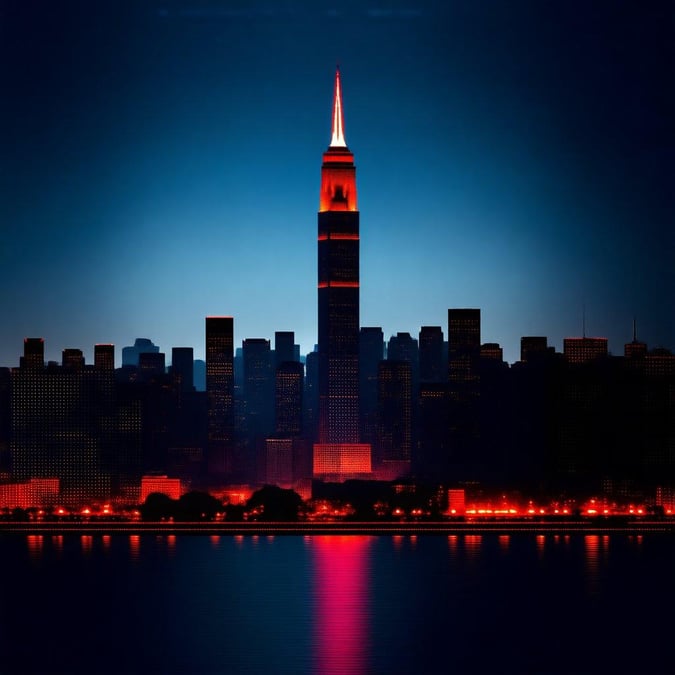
pixel 533 348
pixel 104 357
pixel 395 404
pixel 584 349
pixel 220 393
pixel 72 358
pixel 182 367
pixel 432 368
pixel 491 351
pixel 258 396
pixel 338 450
pixel 33 353
pixel 288 385
pixel 58 430
pixel 371 352
pixel 284 347
pixel 463 346
pixel 130 355
pixel 152 364
pixel 464 392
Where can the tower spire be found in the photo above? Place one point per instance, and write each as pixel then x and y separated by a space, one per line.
pixel 338 137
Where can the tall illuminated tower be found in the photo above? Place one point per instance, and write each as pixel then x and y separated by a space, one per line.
pixel 338 452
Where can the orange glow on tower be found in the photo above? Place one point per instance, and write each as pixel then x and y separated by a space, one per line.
pixel 338 173
pixel 338 446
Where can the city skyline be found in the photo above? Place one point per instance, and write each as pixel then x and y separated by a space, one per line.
pixel 162 169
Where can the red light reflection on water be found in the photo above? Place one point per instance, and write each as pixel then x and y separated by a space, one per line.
pixel 592 548
pixel 134 546
pixel 341 604
pixel 86 541
pixel 472 544
pixel 34 545
pixel 171 543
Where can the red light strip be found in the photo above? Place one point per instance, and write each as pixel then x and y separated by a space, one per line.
pixel 346 237
pixel 338 284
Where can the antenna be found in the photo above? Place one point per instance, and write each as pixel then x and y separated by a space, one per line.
pixel 583 320
pixel 634 330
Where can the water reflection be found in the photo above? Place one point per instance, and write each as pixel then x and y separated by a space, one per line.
pixel 134 547
pixel 341 603
pixel 541 542
pixel 86 541
pixel 452 544
pixel 106 542
pixel 592 549
pixel 34 542
pixel 472 544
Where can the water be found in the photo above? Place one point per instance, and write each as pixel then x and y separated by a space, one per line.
pixel 337 604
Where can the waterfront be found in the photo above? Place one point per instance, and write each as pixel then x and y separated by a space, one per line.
pixel 484 603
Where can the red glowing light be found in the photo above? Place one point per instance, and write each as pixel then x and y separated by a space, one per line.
pixel 338 236
pixel 341 588
pixel 338 284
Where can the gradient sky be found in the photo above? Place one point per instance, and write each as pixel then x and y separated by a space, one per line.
pixel 160 162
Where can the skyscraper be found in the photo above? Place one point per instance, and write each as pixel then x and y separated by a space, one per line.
pixel 220 392
pixel 104 357
pixel 338 450
pixel 182 367
pixel 463 350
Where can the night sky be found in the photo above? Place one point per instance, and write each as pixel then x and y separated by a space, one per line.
pixel 160 162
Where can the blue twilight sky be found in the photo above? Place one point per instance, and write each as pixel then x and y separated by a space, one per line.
pixel 160 162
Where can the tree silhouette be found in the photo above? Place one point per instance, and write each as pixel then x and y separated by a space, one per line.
pixel 157 505
pixel 197 505
pixel 275 503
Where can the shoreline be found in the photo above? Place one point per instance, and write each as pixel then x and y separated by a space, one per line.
pixel 337 528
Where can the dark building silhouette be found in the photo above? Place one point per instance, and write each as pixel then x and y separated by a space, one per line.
pixel 463 349
pixel 220 394
pixel 584 349
pixel 395 418
pixel 258 400
pixel 284 347
pixel 310 415
pixel 491 351
pixel 431 460
pixel 72 358
pixel 104 357
pixel 33 353
pixel 371 352
pixel 130 355
pixel 432 365
pixel 338 450
pixel 182 367
pixel 635 348
pixel 464 391
pixel 403 347
pixel 533 347
pixel 59 431
pixel 5 420
pixel 288 389
pixel 151 365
